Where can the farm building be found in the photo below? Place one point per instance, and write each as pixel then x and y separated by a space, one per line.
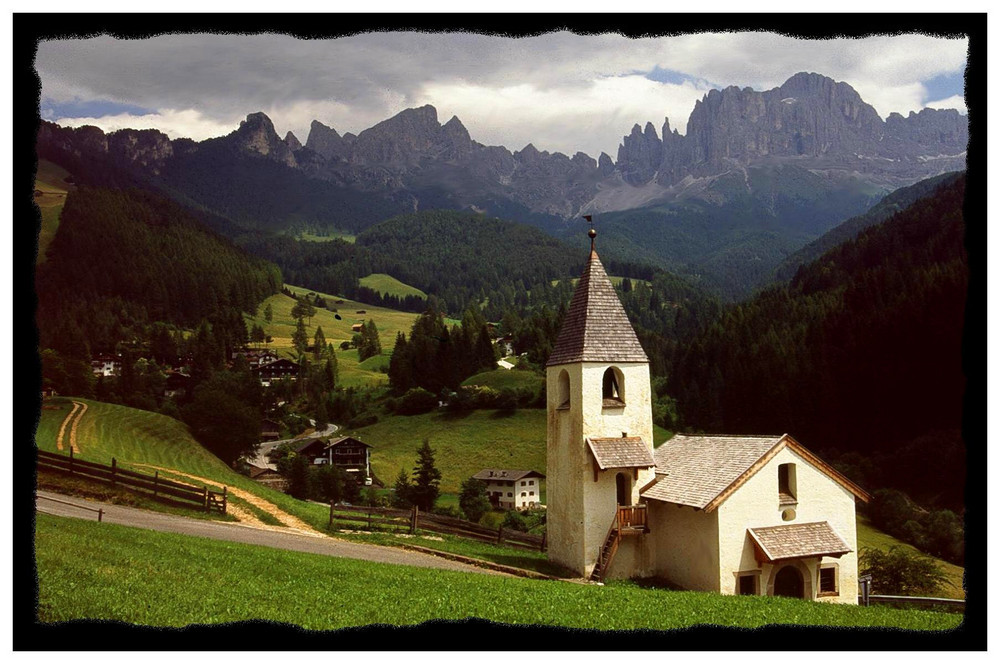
pixel 731 514
pixel 512 489
pixel 345 452
pixel 269 430
pixel 106 365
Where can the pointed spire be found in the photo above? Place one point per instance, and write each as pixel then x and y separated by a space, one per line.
pixel 596 328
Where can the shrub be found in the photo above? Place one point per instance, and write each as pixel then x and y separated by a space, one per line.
pixel 901 572
pixel 514 520
pixel 416 401
pixel 447 510
pixel 363 420
pixel 473 499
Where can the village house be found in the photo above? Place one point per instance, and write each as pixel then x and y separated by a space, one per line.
pixel 269 430
pixel 512 489
pixel 277 370
pixel 256 357
pixel 106 365
pixel 757 515
pixel 348 453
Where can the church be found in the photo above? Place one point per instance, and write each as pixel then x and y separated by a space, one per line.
pixel 757 515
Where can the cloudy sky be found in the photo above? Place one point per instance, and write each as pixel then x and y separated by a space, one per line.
pixel 559 91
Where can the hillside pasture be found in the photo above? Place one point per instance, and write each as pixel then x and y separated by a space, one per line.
pixel 140 440
pixel 90 570
pixel 503 379
pixel 352 373
pixel 50 181
pixel 389 285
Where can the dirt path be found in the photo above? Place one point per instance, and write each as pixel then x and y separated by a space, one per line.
pixel 76 423
pixel 292 523
pixel 65 422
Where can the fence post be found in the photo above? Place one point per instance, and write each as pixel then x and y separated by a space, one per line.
pixel 70 459
pixel 156 483
pixel 225 499
pixel 330 524
pixel 114 469
pixel 413 519
pixel 204 497
pixel 500 534
pixel 545 534
pixel 369 517
pixel 100 515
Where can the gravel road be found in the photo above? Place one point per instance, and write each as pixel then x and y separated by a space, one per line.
pixel 230 532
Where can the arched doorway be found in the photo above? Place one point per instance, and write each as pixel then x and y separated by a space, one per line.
pixel 624 489
pixel 788 582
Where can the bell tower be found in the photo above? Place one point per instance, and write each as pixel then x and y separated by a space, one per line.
pixel 599 435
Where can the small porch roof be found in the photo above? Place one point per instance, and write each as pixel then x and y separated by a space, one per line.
pixel 798 540
pixel 625 452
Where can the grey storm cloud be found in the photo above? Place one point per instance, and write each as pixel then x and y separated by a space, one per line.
pixel 560 90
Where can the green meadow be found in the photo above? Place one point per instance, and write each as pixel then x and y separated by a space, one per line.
pixel 90 570
pixel 50 180
pixel 389 285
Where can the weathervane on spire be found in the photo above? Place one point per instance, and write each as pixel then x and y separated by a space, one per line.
pixel 592 233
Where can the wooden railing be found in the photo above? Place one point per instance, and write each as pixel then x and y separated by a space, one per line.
pixel 629 520
pixel 154 486
pixel 922 602
pixel 397 520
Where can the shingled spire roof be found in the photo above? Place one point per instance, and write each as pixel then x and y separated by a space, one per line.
pixel 596 328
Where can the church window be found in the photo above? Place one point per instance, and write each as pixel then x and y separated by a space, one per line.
pixel 562 390
pixel 786 484
pixel 613 390
pixel 828 580
pixel 747 584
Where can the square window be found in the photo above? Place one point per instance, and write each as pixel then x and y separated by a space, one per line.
pixel 748 584
pixel 828 580
pixel 531 493
pixel 524 484
pixel 531 482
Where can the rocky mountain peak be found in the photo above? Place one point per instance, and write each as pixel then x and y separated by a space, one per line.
pixel 292 142
pixel 147 148
pixel 325 141
pixel 256 135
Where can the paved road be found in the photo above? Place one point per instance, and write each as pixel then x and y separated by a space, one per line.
pixel 264 448
pixel 230 532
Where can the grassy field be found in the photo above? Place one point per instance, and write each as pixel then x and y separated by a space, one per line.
pixel 464 443
pixel 870 537
pixel 331 234
pixel 103 571
pixel 135 437
pixel 500 379
pixel 352 372
pixel 50 180
pixel 386 284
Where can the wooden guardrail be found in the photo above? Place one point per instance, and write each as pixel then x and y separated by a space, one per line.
pixel 928 602
pixel 158 488
pixel 411 520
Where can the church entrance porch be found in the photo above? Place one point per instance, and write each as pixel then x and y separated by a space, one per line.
pixel 788 582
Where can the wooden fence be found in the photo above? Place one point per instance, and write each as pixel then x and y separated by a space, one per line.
pixel 942 603
pixel 162 490
pixel 396 520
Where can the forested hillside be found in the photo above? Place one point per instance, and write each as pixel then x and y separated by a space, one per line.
pixel 862 351
pixel 888 206
pixel 125 258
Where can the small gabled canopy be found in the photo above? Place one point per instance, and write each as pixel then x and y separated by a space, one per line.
pixel 702 471
pixel 799 540
pixel 501 474
pixel 630 452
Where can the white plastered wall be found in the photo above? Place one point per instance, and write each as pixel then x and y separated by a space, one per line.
pixel 755 505
pixel 685 544
pixel 580 510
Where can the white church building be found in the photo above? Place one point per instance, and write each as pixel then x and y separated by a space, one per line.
pixel 756 515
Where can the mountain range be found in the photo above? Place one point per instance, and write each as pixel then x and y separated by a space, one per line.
pixel 756 176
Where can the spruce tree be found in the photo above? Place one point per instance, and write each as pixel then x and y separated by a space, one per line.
pixel 425 489
pixel 299 337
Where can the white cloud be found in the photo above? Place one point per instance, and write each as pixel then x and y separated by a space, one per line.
pixel 186 123
pixel 955 101
pixel 590 119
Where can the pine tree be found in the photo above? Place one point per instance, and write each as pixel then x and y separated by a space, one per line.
pixel 401 490
pixel 299 337
pixel 268 312
pixel 426 479
pixel 319 342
